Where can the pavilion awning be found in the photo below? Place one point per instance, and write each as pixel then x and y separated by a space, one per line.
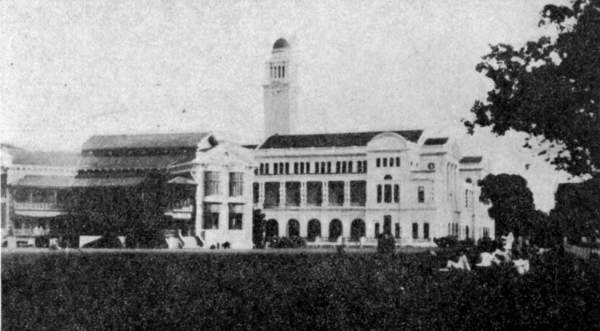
pixel 107 181
pixel 182 180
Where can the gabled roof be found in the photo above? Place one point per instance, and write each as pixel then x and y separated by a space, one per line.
pixel 156 162
pixel 332 139
pixel 435 141
pixel 67 182
pixel 45 181
pixel 126 141
pixel 50 159
pixel 471 159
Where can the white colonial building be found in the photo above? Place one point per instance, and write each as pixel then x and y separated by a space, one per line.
pixel 360 184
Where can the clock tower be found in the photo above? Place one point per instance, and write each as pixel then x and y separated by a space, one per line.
pixel 279 90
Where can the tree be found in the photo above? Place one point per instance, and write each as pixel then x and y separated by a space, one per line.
pixel 550 89
pixel 577 209
pixel 258 228
pixel 512 202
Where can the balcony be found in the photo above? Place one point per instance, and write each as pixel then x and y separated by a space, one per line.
pixel 31 232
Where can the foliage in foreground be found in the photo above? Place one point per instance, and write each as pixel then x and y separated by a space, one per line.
pixel 549 88
pixel 292 291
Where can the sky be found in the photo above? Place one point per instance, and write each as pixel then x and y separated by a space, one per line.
pixel 72 69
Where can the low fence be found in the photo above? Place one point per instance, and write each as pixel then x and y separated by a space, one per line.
pixel 581 252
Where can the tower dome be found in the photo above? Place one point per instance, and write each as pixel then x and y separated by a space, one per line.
pixel 280 44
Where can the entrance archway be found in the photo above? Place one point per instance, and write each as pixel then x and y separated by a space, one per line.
pixel 335 229
pixel 357 229
pixel 314 229
pixel 293 228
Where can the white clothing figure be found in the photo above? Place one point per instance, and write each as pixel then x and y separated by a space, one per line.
pixel 522 266
pixel 487 259
pixel 462 264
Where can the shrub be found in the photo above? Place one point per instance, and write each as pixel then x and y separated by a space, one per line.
pixel 446 242
pixel 386 244
pixel 487 244
pixel 287 242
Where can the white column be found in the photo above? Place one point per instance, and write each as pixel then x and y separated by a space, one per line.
pixel 282 194
pixel 198 176
pixel 303 194
pixel 347 193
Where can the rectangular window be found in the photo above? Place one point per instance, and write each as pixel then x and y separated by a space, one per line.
pixel 387 194
pixel 425 230
pixel 385 161
pixel 287 168
pixel 336 193
pixel 378 193
pixel 391 162
pixel 275 168
pixel 271 194
pixel 337 167
pixel 301 167
pixel 292 194
pixel 328 167
pixel 415 231
pixel 308 167
pixel 323 168
pixel 236 184
pixel 358 193
pixel 421 193
pixel 466 198
pixel 211 183
pixel 364 166
pixel 378 162
pixel 314 193
pixel 236 213
pixel 344 167
pixel 267 168
pixel 316 167
pixel 396 193
pixel 295 167
pixel 262 169
pixel 387 224
pixel 350 166
pixel 255 192
pixel 211 215
pixel 397 161
pixel 359 167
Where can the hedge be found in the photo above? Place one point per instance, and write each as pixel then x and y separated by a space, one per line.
pixel 131 290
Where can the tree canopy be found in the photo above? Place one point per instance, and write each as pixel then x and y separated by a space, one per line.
pixel 512 207
pixel 550 89
pixel 577 209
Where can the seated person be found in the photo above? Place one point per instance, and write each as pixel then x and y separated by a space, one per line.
pixel 487 259
pixel 462 264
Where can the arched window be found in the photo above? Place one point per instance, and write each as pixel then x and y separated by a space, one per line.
pixel 335 229
pixel 377 230
pixel 378 193
pixel 415 230
pixel 425 230
pixel 357 229
pixel 397 231
pixel 387 177
pixel 283 72
pixel 314 229
pixel 396 193
pixel 421 193
pixel 293 228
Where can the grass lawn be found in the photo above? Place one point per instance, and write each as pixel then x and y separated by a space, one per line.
pixel 291 290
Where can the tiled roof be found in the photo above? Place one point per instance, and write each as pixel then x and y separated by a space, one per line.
pixel 435 141
pixel 332 139
pixel 170 140
pixel 51 159
pixel 132 162
pixel 471 159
